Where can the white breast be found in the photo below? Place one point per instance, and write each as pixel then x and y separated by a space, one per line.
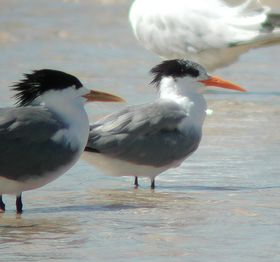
pixel 76 135
pixel 72 113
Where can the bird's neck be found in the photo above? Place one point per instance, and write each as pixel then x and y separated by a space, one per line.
pixel 72 113
pixel 187 95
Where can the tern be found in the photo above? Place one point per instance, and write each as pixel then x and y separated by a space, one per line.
pixel 45 134
pixel 145 140
pixel 211 32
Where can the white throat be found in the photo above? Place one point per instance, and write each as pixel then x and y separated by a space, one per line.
pixel 71 109
pixel 188 95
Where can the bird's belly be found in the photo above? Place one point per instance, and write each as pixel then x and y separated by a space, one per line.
pixel 116 167
pixel 15 187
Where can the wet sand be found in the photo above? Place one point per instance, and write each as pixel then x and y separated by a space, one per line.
pixel 222 204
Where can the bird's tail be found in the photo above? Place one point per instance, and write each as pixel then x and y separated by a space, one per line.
pixel 263 39
pixel 269 33
pixel 272 22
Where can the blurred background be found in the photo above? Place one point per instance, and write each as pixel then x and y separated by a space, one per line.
pixel 272 3
pixel 221 204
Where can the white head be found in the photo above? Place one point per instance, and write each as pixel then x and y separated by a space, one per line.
pixel 186 78
pixel 49 86
pixel 65 95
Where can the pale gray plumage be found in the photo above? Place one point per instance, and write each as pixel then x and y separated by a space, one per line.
pixel 146 140
pixel 145 134
pixel 27 150
pixel 44 136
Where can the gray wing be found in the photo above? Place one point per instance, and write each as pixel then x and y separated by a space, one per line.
pixel 146 134
pixel 26 146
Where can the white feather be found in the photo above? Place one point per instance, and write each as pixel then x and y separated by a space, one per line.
pixel 208 32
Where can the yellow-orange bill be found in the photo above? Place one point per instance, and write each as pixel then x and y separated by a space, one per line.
pixel 219 82
pixel 97 96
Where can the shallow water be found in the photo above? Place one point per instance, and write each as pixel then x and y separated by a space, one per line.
pixel 222 204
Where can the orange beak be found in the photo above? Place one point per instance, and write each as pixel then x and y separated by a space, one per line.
pixel 97 96
pixel 219 82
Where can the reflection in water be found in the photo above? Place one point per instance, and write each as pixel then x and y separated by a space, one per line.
pixel 138 198
pixel 28 237
pixel 222 204
pixel 26 228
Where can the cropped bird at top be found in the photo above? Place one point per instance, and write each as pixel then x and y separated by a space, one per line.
pixel 211 32
pixel 145 140
pixel 46 133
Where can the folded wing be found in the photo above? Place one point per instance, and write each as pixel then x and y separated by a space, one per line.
pixel 146 135
pixel 26 144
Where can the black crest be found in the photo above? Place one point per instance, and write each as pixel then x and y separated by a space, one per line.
pixel 40 81
pixel 175 68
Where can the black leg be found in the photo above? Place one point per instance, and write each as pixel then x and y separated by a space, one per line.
pixel 19 204
pixel 2 205
pixel 153 184
pixel 136 182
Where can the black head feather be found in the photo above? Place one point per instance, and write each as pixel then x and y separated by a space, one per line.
pixel 175 68
pixel 40 81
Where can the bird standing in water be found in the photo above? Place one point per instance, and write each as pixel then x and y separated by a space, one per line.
pixel 46 133
pixel 145 140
